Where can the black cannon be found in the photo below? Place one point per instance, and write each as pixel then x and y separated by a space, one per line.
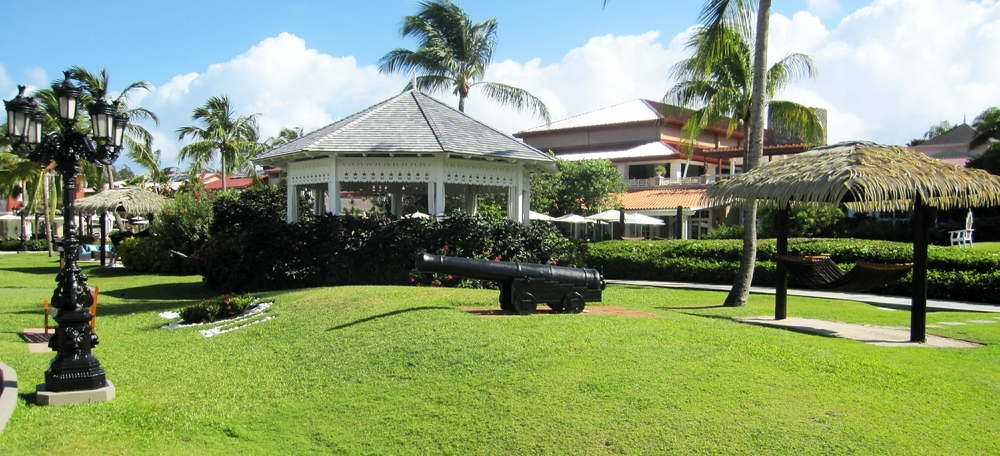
pixel 523 286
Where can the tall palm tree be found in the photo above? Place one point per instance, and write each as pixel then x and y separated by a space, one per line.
pixel 138 141
pixel 453 54
pixel 717 16
pixel 235 139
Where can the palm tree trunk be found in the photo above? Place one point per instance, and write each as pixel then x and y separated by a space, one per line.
pixel 461 102
pixel 222 158
pixel 740 292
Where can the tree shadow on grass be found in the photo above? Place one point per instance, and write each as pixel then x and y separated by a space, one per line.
pixel 42 270
pixel 163 291
pixel 713 306
pixel 138 307
pixel 388 314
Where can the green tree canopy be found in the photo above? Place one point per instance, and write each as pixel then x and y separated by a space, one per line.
pixel 582 187
pixel 453 54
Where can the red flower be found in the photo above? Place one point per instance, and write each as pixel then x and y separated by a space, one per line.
pixel 436 283
pixel 496 258
pixel 451 278
pixel 445 248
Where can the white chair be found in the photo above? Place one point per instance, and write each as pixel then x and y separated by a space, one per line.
pixel 963 237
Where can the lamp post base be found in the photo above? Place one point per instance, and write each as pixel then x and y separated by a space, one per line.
pixel 43 397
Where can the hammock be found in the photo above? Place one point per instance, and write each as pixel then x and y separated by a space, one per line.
pixel 822 273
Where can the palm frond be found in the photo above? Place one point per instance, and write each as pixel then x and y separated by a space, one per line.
pixel 516 98
pixel 798 120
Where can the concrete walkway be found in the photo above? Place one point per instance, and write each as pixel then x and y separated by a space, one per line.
pixel 891 302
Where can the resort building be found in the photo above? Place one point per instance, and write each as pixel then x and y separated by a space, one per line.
pixel 951 146
pixel 642 137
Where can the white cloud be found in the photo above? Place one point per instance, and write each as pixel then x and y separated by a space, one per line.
pixel 904 65
pixel 887 72
pixel 288 84
pixel 606 71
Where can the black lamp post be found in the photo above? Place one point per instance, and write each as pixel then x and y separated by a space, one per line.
pixel 74 367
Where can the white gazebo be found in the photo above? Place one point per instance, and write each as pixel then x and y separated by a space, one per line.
pixel 408 145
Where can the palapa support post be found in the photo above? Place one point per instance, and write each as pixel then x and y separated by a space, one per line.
pixel 104 237
pixel 781 281
pixel 918 304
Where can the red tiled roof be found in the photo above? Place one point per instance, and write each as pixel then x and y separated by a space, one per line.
pixel 663 198
pixel 232 182
pixel 960 161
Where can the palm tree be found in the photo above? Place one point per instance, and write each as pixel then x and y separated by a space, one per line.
pixel 235 139
pixel 720 88
pixel 987 126
pixel 718 16
pixel 138 140
pixel 286 135
pixel 453 54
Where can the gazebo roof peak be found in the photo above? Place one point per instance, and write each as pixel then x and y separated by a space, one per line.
pixel 409 124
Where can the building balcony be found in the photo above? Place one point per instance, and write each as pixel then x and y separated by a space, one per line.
pixel 652 182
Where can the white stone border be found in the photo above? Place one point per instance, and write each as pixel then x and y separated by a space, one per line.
pixel 8 394
pixel 246 319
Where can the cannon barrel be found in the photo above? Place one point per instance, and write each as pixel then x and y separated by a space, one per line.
pixel 504 271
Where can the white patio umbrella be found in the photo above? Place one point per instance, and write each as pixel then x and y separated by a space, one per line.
pixel 642 219
pixel 539 216
pixel 607 216
pixel 573 218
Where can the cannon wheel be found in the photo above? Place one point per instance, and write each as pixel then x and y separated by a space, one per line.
pixel 556 306
pixel 525 303
pixel 573 302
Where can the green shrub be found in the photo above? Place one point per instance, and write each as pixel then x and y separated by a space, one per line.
pixel 265 253
pixel 144 254
pixel 218 308
pixel 725 232
pixel 33 245
pixel 953 274
pixel 185 223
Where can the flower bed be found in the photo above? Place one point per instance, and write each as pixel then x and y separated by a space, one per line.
pixel 231 312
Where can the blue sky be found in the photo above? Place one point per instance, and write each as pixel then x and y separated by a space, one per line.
pixel 889 69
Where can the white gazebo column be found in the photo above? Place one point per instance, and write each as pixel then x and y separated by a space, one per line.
pixel 397 199
pixel 525 198
pixel 333 189
pixel 292 204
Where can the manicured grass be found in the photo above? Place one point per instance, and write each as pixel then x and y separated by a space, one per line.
pixel 987 246
pixel 400 370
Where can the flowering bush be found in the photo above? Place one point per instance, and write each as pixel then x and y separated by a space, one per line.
pixel 218 308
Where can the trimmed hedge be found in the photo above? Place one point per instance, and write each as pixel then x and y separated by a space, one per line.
pixel 33 245
pixel 253 249
pixel 965 275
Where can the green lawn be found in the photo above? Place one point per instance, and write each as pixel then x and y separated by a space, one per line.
pixel 400 370
pixel 987 246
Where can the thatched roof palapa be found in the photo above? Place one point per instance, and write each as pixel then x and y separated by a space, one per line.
pixel 130 200
pixel 864 175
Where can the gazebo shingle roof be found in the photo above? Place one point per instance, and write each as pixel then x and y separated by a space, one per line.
pixel 410 123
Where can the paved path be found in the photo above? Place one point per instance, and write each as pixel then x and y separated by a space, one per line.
pixel 892 302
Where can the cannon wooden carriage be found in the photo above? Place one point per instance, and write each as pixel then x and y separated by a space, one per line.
pixel 522 285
